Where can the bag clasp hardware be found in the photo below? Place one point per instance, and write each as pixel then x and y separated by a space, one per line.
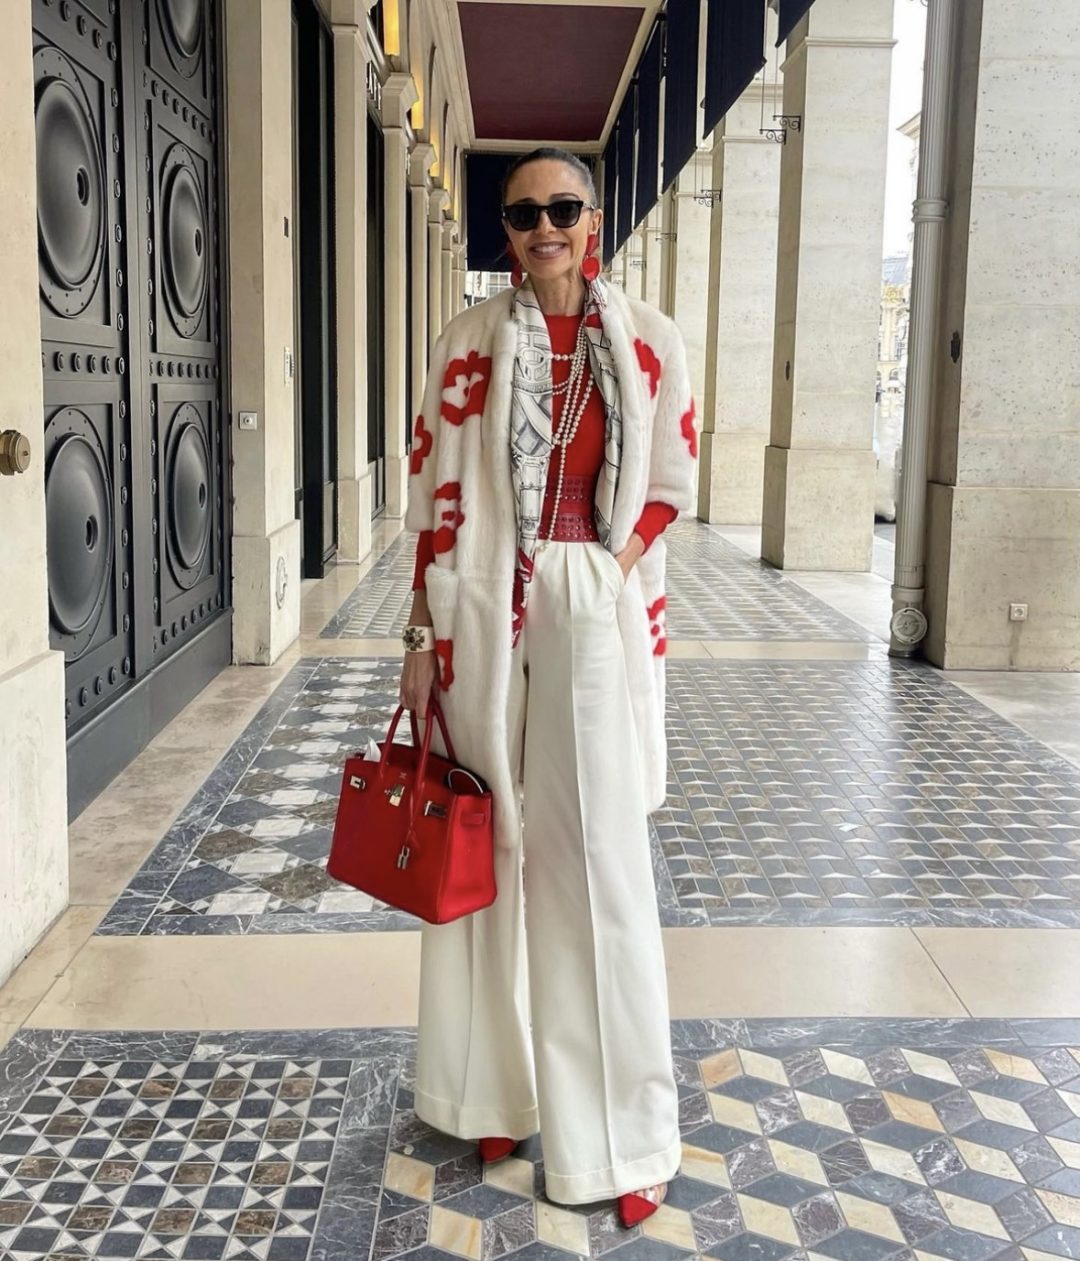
pixel 435 810
pixel 403 857
pixel 357 781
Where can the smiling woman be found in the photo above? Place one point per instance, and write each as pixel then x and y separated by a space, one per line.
pixel 556 442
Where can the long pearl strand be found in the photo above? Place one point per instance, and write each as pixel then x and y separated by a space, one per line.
pixel 578 388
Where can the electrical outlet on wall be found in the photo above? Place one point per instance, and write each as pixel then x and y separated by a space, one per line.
pixel 1018 612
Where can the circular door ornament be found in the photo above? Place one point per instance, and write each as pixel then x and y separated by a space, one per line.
pixel 185 241
pixel 183 30
pixel 79 528
pixel 189 511
pixel 71 186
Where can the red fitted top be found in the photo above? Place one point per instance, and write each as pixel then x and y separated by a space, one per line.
pixel 584 456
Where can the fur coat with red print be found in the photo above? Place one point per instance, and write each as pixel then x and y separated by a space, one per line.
pixel 460 488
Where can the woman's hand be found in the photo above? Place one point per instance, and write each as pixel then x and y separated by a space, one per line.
pixel 419 675
pixel 631 554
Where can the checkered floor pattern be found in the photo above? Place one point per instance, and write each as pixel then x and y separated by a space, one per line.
pixel 715 591
pixel 799 793
pixel 852 1141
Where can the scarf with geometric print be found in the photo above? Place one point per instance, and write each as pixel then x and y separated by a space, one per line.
pixel 531 441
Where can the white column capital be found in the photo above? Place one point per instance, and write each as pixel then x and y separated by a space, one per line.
pixel 348 12
pixel 420 161
pixel 398 94
pixel 438 201
pixel 450 233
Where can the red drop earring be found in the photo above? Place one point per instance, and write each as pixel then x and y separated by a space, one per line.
pixel 517 276
pixel 590 265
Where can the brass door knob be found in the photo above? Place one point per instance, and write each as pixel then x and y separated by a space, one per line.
pixel 14 452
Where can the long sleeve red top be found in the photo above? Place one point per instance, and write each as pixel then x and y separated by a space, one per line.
pixel 584 455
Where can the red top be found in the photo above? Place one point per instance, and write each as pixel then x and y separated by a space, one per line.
pixel 584 456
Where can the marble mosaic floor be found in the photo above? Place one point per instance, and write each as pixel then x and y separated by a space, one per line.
pixel 715 592
pixel 800 793
pixel 846 1140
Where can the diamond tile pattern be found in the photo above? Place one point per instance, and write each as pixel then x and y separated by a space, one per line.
pixel 287 1146
pixel 820 793
pixel 864 792
pixel 715 591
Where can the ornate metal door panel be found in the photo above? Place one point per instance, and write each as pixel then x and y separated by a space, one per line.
pixel 135 457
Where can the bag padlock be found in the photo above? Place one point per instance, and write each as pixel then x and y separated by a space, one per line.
pixel 396 794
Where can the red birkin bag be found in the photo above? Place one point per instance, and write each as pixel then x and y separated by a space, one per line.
pixel 405 836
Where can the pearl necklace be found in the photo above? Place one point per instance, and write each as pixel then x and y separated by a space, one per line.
pixel 578 389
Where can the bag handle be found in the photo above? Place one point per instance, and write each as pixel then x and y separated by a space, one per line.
pixel 416 789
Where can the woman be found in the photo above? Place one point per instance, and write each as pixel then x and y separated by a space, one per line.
pixel 556 442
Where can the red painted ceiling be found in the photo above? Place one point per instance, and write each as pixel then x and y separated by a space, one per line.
pixel 544 71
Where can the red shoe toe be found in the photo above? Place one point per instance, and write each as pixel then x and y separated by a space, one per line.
pixel 495 1148
pixel 634 1209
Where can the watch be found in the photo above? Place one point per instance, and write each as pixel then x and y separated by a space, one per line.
pixel 418 639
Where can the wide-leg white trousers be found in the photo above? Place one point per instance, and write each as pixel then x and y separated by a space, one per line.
pixel 593 1073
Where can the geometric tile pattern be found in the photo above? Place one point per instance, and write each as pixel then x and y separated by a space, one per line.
pixel 845 1140
pixel 253 860
pixel 799 793
pixel 869 792
pixel 715 591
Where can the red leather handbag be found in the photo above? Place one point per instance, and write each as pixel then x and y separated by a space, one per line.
pixel 414 829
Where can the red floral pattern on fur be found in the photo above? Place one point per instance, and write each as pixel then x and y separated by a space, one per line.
pixel 423 441
pixel 689 431
pixel 649 363
pixel 465 387
pixel 452 517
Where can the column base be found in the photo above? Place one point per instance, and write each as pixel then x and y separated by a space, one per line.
pixel 397 485
pixel 1028 535
pixel 354 517
pixel 732 468
pixel 33 805
pixel 818 509
pixel 266 595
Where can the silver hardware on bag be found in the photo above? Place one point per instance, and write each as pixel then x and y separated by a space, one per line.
pixel 355 781
pixel 403 857
pixel 396 794
pixel 437 811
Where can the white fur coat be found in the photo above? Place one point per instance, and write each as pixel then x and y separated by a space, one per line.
pixel 460 487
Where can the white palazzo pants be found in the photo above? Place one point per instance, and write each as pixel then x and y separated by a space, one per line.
pixel 572 943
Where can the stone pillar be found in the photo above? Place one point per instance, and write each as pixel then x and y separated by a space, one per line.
pixel 818 501
pixel 33 779
pixel 669 227
pixel 447 287
pixel 1003 520
pixel 420 160
pixel 737 400
pixel 650 256
pixel 266 534
pixel 355 495
pixel 634 257
pixel 691 250
pixel 399 92
pixel 437 199
pixel 460 267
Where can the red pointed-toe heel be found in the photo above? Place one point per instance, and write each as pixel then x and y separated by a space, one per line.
pixel 639 1205
pixel 495 1148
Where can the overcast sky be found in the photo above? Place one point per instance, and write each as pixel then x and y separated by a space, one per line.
pixel 910 31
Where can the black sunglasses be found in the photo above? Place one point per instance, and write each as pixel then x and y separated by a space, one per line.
pixel 523 216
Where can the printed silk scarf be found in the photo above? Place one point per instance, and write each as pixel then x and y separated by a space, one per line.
pixel 531 440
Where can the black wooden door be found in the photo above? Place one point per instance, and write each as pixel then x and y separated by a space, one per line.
pixel 136 451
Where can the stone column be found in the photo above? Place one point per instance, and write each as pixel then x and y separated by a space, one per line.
pixel 33 778
pixel 420 160
pixel 399 92
pixel 1003 520
pixel 266 534
pixel 737 400
pixel 447 288
pixel 691 249
pixel 650 256
pixel 634 259
pixel 460 268
pixel 818 501
pixel 437 200
pixel 668 211
pixel 350 238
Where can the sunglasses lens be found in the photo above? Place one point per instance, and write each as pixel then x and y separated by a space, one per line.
pixel 564 214
pixel 523 218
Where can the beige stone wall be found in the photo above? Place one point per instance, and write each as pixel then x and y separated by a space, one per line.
pixel 692 266
pixel 1004 520
pixel 33 781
